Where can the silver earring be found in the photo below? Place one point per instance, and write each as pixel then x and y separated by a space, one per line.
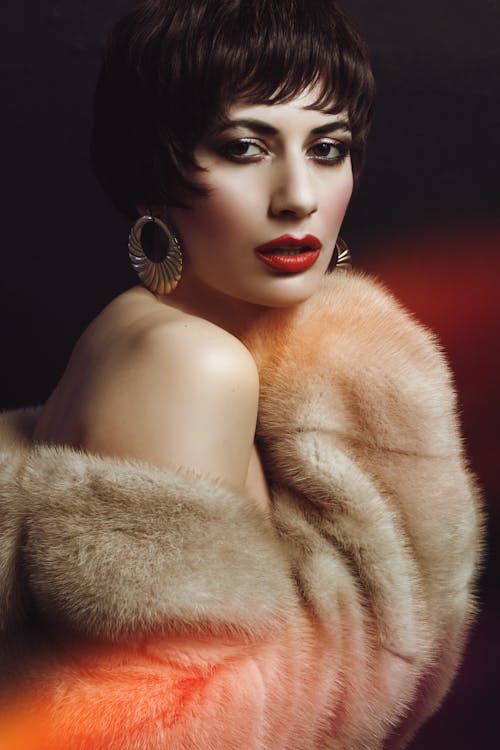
pixel 341 257
pixel 162 276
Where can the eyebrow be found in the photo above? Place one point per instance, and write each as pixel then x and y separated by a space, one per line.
pixel 263 128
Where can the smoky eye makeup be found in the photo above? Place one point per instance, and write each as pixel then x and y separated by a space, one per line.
pixel 244 150
pixel 241 149
pixel 329 151
pixel 246 141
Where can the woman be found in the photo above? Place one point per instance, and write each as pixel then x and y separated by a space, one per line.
pixel 243 519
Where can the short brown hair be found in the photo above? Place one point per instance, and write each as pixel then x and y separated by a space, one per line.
pixel 171 68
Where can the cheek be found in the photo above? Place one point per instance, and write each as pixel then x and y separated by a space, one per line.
pixel 222 216
pixel 336 201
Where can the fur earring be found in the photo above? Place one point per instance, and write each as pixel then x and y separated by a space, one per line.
pixel 160 275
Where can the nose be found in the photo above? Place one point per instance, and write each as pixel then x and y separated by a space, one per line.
pixel 293 193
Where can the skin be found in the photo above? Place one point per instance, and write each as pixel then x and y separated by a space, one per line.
pixel 167 380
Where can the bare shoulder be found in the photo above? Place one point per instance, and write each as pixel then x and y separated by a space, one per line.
pixel 165 343
pixel 167 388
pixel 184 340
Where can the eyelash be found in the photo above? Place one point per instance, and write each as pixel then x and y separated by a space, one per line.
pixel 225 151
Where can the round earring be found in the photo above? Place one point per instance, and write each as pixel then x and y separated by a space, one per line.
pixel 159 276
pixel 341 257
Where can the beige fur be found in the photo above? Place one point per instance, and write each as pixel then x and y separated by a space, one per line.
pixel 337 623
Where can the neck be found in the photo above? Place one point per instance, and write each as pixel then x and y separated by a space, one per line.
pixel 195 298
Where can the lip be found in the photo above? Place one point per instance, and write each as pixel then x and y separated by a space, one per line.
pixel 289 242
pixel 290 263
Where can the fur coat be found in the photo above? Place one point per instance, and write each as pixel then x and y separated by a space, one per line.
pixel 143 609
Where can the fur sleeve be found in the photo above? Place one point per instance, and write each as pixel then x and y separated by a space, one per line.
pixel 109 548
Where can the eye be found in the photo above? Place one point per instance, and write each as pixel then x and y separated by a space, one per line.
pixel 329 152
pixel 242 150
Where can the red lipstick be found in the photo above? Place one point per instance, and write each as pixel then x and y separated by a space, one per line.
pixel 290 254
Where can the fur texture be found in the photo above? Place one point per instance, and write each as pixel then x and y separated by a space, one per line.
pixel 144 609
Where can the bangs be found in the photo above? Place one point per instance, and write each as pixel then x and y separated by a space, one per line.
pixel 269 52
pixel 273 56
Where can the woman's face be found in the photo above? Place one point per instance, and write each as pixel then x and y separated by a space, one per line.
pixel 277 174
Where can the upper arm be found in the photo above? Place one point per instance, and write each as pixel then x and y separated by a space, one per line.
pixel 177 395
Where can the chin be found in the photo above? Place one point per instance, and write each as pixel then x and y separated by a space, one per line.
pixel 284 291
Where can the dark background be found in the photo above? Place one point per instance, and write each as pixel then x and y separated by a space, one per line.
pixel 426 220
